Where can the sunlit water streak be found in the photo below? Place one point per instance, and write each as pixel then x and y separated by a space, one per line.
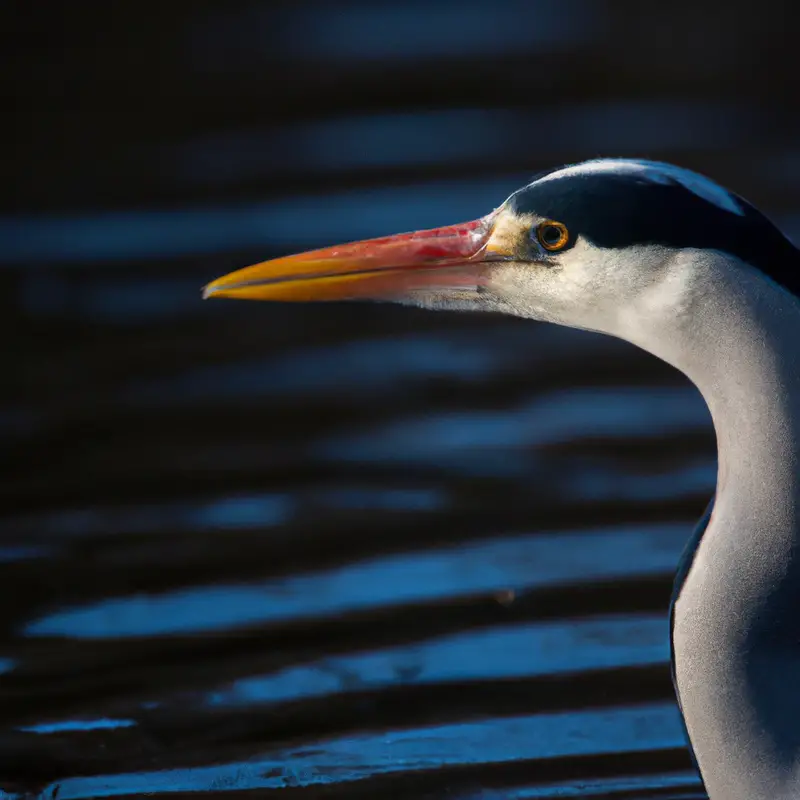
pixel 521 562
pixel 444 137
pixel 239 512
pixel 463 439
pixel 493 654
pixel 63 726
pixel 377 365
pixel 390 32
pixel 357 758
pixel 600 788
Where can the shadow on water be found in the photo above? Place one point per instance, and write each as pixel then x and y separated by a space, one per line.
pixel 342 551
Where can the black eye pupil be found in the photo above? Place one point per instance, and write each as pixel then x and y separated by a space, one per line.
pixel 551 234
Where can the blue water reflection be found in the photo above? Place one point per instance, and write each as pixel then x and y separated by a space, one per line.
pixel 458 136
pixel 566 415
pixel 246 38
pixel 112 299
pixel 231 512
pixel 227 513
pixel 78 725
pixel 494 654
pixel 369 499
pixel 597 481
pixel 397 139
pixel 367 363
pixel 641 728
pixel 520 562
pixel 242 511
pixel 441 28
pixel 602 788
pixel 23 552
pixel 376 364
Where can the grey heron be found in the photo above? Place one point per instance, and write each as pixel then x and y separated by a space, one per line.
pixel 673 262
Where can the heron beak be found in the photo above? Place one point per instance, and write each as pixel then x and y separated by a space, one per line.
pixel 383 268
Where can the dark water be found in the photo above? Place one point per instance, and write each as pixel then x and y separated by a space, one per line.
pixel 342 551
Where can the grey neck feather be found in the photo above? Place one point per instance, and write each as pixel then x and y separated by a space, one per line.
pixel 736 634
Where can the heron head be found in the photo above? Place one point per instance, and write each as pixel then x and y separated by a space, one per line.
pixel 596 245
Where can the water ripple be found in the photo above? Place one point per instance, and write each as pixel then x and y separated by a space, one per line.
pixel 519 562
pixel 641 728
pixel 493 654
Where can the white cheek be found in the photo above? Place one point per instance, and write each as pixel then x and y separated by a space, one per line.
pixel 565 292
pixel 586 281
pixel 666 303
pixel 579 270
pixel 669 295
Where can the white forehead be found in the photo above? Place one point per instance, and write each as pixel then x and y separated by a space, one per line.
pixel 657 172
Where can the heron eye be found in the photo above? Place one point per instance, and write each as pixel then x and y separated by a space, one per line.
pixel 552 235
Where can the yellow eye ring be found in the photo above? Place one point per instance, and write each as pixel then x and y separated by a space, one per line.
pixel 552 235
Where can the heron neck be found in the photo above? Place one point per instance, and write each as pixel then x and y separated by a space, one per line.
pixel 735 624
pixel 744 356
pixel 736 335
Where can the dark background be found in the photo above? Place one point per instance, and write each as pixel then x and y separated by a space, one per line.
pixel 345 550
